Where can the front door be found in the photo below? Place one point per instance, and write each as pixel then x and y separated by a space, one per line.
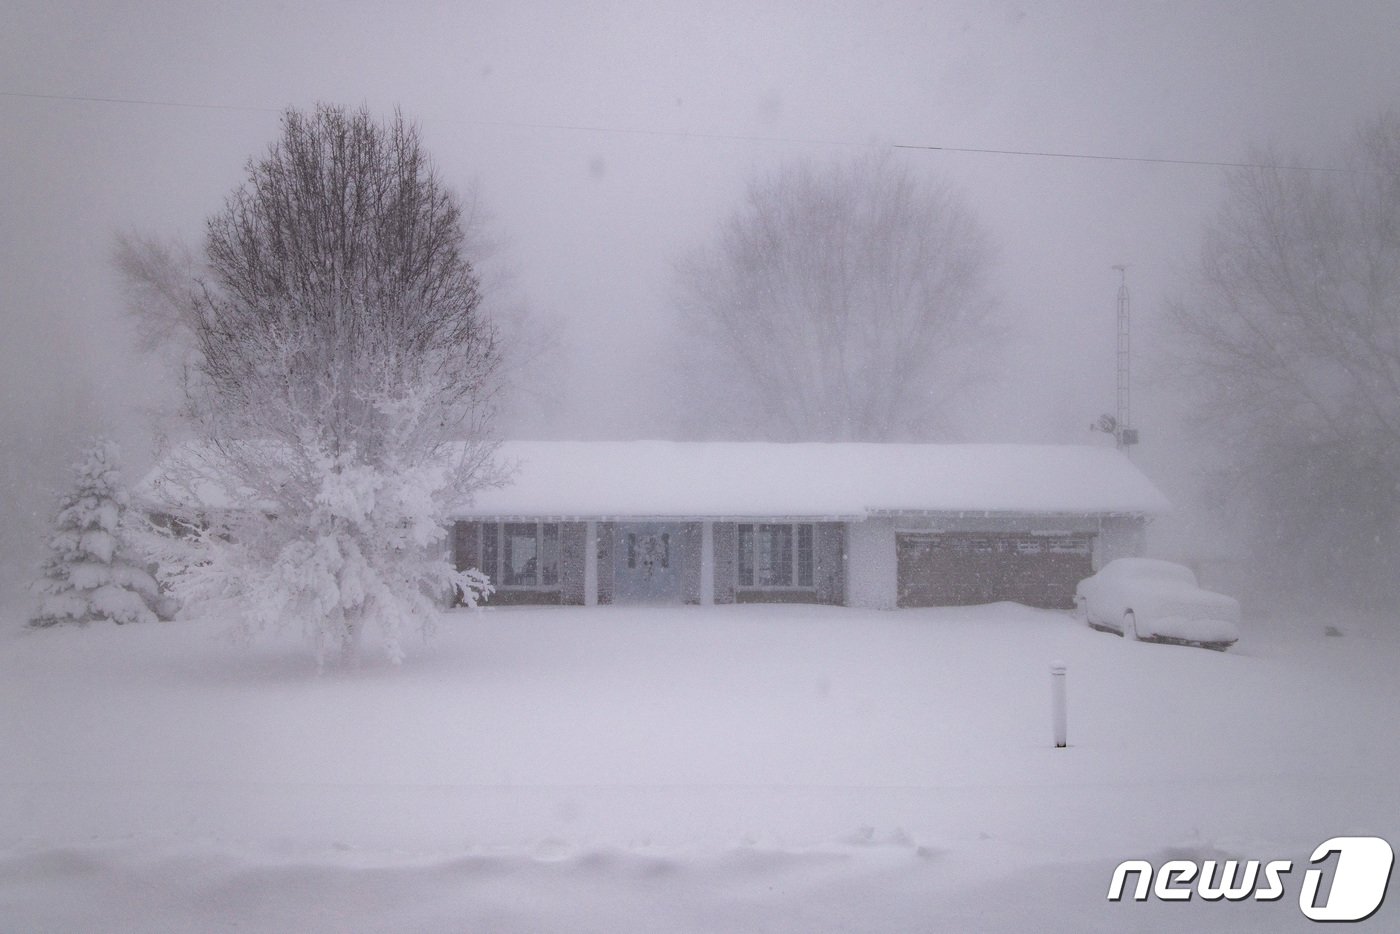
pixel 648 562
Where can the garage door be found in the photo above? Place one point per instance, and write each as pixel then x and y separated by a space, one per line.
pixel 961 570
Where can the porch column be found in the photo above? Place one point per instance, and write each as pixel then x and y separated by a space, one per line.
pixel 707 563
pixel 590 563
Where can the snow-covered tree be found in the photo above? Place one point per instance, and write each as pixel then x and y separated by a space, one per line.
pixel 847 302
pixel 340 394
pixel 91 573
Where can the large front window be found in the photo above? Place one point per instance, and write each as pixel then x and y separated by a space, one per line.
pixel 521 554
pixel 775 555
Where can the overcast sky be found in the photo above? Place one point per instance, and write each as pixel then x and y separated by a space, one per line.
pixel 608 138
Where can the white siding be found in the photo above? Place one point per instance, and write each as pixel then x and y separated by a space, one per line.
pixel 870 564
pixel 1120 537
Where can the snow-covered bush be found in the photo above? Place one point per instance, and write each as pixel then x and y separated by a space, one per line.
pixel 91 573
pixel 330 544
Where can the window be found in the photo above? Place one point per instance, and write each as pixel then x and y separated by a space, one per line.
pixel 521 551
pixel 521 554
pixel 1068 546
pixel 776 555
pixel 804 556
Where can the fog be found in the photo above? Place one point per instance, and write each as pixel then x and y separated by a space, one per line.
pixel 607 139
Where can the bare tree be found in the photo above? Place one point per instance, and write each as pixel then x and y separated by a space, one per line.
pixel 339 388
pixel 1292 337
pixel 161 278
pixel 847 302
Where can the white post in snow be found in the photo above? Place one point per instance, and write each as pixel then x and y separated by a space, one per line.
pixel 590 564
pixel 707 563
pixel 1057 702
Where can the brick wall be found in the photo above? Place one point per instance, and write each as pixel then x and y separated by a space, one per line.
pixel 830 562
pixel 464 542
pixel 606 549
pixel 690 557
pixel 573 545
pixel 726 544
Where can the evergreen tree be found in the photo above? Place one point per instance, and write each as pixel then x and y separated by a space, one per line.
pixel 90 574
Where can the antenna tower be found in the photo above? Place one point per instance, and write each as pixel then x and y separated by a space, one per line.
pixel 1120 425
pixel 1124 434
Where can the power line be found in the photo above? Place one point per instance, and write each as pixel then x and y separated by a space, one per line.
pixel 679 134
pixel 729 137
pixel 135 100
pixel 1102 157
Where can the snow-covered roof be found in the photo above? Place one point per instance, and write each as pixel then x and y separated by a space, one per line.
pixel 621 479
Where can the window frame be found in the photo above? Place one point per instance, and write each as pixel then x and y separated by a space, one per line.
pixel 796 562
pixel 498 554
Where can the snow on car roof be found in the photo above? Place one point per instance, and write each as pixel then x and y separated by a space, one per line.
pixel 834 480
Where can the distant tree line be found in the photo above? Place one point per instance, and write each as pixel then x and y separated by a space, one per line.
pixel 1291 341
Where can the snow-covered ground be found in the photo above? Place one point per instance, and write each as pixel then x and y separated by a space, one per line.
pixel 693 769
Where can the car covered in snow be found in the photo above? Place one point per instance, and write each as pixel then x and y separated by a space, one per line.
pixel 1157 601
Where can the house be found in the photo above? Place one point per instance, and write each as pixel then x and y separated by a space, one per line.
pixel 872 525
